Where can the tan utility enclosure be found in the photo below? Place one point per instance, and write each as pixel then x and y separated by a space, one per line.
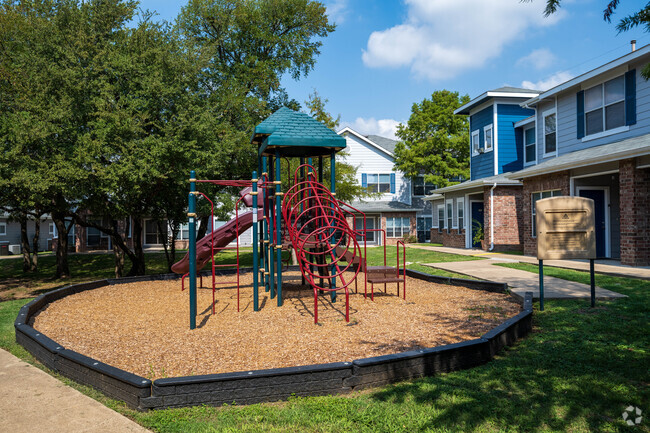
pixel 565 228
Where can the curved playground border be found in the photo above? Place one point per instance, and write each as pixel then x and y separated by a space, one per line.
pixel 248 387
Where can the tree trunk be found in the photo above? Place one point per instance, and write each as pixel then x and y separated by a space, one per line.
pixel 118 252
pixel 24 242
pixel 203 227
pixel 137 260
pixel 37 234
pixel 62 268
pixel 170 253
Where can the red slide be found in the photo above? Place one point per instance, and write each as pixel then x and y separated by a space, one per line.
pixel 222 236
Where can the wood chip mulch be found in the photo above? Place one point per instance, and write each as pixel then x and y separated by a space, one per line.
pixel 144 327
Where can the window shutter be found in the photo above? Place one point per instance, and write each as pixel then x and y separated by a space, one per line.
pixel 364 180
pixel 580 108
pixel 392 183
pixel 630 97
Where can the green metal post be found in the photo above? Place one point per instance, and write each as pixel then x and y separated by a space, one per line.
pixel 256 263
pixel 333 189
pixel 192 246
pixel 265 232
pixel 271 214
pixel 541 285
pixel 278 225
pixel 593 282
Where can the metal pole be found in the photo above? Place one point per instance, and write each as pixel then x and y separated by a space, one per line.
pixel 192 246
pixel 541 285
pixel 278 225
pixel 265 229
pixel 593 283
pixel 256 263
pixel 333 190
pixel 272 163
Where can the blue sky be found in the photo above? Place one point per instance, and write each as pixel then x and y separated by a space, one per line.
pixel 386 55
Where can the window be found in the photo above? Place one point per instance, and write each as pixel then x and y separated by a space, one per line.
pixel 184 231
pixel 538 196
pixel 370 225
pixel 487 134
pixel 441 218
pixel 605 106
pixel 420 187
pixel 475 142
pixel 530 150
pixel 398 227
pixel 460 203
pixel 550 127
pixel 3 229
pixel 424 225
pixel 379 182
pixel 152 236
pixel 50 229
pixel 450 211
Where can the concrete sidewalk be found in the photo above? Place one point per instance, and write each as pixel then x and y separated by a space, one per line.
pixel 520 282
pixel 33 401
pixel 603 266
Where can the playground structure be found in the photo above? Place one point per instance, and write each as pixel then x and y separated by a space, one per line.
pixel 308 218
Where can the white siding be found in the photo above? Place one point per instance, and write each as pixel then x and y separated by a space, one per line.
pixel 369 159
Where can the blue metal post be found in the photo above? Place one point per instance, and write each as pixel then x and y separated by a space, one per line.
pixel 278 224
pixel 256 263
pixel 333 189
pixel 541 285
pixel 192 246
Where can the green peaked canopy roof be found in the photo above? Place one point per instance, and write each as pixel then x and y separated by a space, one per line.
pixel 295 134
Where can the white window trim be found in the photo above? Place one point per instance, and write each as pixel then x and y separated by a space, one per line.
pixel 545 114
pixel 460 204
pixel 602 134
pixel 3 232
pixel 51 229
pixel 487 149
pixel 532 207
pixel 450 201
pixel 443 215
pixel 475 151
pixel 534 162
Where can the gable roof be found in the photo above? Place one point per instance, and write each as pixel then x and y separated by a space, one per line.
pixel 500 179
pixel 295 134
pixel 501 92
pixel 634 55
pixel 386 145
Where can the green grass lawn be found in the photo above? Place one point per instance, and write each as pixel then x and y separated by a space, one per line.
pixel 577 372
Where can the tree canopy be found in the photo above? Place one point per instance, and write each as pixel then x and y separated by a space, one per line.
pixel 435 142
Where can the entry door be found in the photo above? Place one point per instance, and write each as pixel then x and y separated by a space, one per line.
pixel 477 221
pixel 600 209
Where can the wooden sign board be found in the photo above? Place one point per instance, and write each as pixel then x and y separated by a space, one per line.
pixel 565 228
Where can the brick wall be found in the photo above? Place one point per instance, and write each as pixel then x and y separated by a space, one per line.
pixel 635 213
pixel 455 238
pixel 412 228
pixel 508 218
pixel 535 184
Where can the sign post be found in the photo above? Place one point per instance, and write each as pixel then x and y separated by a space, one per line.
pixel 565 230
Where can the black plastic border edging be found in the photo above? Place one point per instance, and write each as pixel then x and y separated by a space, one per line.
pixel 257 386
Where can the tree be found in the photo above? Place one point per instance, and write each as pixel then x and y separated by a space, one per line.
pixel 435 142
pixel 639 18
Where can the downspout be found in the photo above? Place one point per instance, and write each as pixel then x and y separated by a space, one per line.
pixel 492 216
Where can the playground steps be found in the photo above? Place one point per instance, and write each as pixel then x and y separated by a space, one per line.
pixel 385 279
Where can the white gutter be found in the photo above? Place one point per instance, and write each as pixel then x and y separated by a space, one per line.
pixel 492 216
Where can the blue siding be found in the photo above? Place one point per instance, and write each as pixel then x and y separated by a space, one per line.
pixel 511 155
pixel 568 125
pixel 482 164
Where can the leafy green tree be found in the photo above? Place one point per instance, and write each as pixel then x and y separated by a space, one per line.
pixel 435 142
pixel 638 18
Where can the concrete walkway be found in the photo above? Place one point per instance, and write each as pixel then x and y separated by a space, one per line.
pixel 33 401
pixel 520 282
pixel 605 266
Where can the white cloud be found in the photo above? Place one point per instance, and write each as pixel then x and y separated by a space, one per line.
pixel 383 127
pixel 548 83
pixel 442 38
pixel 539 59
pixel 337 10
